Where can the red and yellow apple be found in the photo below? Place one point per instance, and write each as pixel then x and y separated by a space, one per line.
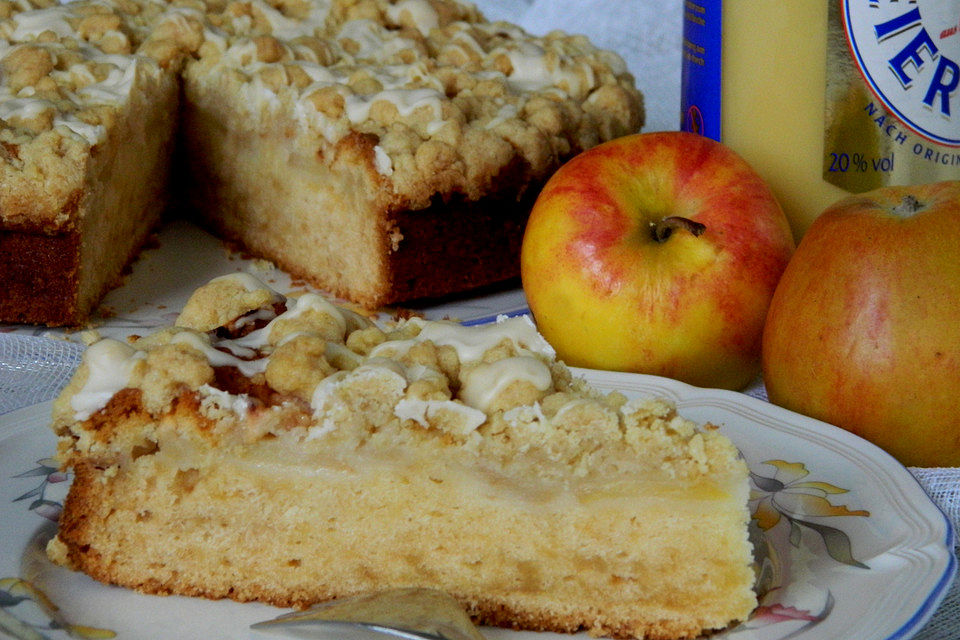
pixel 656 253
pixel 864 328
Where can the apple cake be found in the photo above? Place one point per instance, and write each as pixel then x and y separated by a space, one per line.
pixel 289 451
pixel 383 150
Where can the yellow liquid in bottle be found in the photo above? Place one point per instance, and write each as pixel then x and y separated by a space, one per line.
pixel 773 99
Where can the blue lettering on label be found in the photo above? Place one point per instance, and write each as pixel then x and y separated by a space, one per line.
pixel 888 126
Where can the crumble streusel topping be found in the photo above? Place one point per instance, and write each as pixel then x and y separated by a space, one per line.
pixel 308 373
pixel 451 101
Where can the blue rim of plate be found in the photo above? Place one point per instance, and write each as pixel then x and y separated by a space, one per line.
pixel 924 614
pixel 523 311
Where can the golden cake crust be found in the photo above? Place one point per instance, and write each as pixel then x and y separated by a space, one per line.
pixel 85 519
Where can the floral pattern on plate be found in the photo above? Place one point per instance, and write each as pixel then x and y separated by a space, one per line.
pixel 25 622
pixel 786 496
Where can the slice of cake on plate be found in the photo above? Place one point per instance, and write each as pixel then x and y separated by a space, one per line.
pixel 289 451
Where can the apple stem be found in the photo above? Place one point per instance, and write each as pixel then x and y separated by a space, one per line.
pixel 664 228
pixel 907 207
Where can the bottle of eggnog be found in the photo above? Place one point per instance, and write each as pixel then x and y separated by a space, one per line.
pixel 827 97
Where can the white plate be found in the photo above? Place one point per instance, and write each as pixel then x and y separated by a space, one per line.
pixel 855 548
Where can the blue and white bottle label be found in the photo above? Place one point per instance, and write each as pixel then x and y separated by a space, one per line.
pixel 908 54
pixel 892 94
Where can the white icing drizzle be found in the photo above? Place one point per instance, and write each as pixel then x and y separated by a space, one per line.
pixel 532 71
pixel 424 412
pixel 382 161
pixel 422 12
pixel 336 352
pixel 256 316
pixel 244 53
pixel 320 430
pixel 181 17
pixel 114 87
pixel 238 404
pixel 248 281
pixel 472 342
pixel 30 24
pixel 311 301
pixel 24 107
pixel 308 117
pixel 405 100
pixel 486 381
pixel 284 28
pixel 463 38
pixel 408 87
pixel 109 364
pixel 245 352
pixel 91 133
pixel 385 370
pixel 324 390
pixel 505 112
pixel 215 37
pixel 280 26
pixel 323 76
pixel 538 63
pixel 346 320
pixel 393 348
pixel 417 372
pixel 525 414
pixel 374 41
pixel 570 406
pixel 218 358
